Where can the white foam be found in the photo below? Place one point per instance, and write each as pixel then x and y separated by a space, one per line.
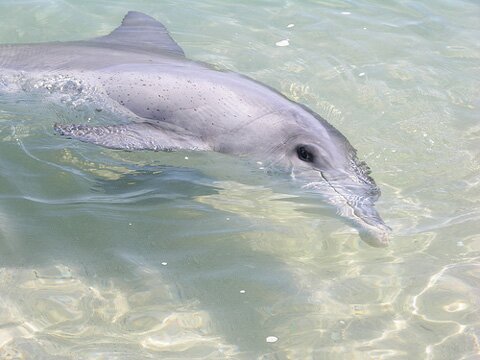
pixel 271 339
pixel 282 43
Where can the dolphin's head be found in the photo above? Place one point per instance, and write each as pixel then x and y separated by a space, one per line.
pixel 322 160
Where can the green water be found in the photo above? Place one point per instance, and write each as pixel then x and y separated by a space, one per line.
pixel 113 255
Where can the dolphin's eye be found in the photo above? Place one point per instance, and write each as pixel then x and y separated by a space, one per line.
pixel 304 154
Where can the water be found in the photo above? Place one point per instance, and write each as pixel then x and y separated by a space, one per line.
pixel 113 255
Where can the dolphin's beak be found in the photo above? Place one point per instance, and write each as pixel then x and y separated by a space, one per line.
pixel 355 203
pixel 365 218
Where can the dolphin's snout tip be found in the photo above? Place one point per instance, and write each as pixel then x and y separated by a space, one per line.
pixel 376 237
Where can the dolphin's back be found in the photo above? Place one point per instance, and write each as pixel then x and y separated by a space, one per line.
pixel 139 39
pixel 73 56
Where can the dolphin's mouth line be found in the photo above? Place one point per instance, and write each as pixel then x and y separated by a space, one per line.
pixel 341 195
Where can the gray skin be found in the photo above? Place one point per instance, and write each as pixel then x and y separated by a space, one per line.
pixel 178 104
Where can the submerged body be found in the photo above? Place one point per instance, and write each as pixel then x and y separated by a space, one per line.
pixel 179 104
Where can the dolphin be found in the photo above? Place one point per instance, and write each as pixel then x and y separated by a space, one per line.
pixel 179 104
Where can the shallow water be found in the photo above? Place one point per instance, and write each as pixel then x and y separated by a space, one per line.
pixel 113 255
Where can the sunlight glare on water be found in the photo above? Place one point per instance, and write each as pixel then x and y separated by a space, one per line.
pixel 112 255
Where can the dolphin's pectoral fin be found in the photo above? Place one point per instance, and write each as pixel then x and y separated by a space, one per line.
pixel 138 29
pixel 134 136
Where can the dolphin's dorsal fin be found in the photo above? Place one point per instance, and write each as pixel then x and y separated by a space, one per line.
pixel 139 29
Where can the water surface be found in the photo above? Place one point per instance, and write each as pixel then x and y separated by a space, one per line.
pixel 112 255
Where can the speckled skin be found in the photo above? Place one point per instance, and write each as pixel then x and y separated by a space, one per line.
pixel 181 104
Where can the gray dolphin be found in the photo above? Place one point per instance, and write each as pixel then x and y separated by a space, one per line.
pixel 179 104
